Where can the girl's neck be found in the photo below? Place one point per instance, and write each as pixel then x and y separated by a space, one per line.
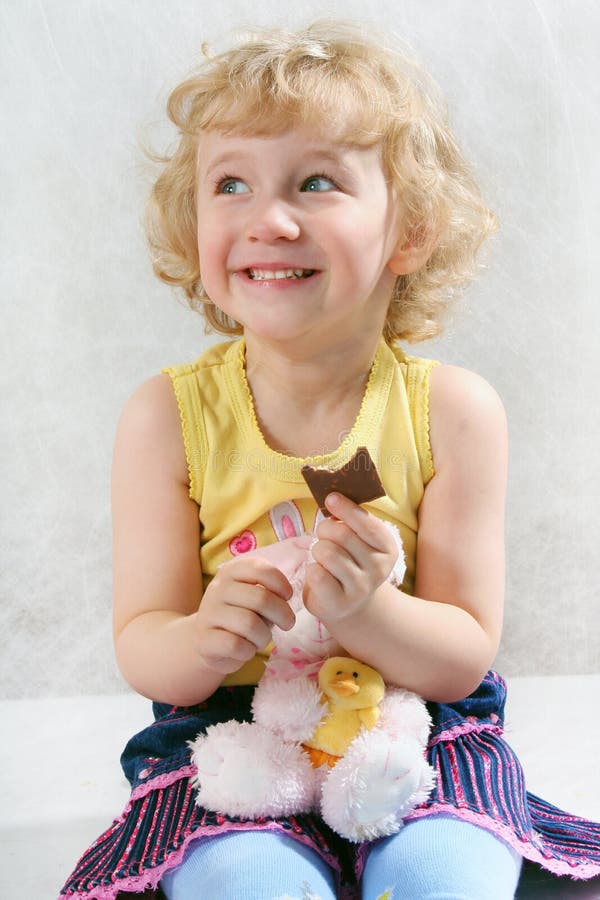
pixel 305 404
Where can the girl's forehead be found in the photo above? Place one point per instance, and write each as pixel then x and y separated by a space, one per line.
pixel 342 117
pixel 295 141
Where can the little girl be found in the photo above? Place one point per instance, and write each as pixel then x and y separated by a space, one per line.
pixel 317 209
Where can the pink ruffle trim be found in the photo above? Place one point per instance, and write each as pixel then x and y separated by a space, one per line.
pixel 467 728
pixel 161 781
pixel 580 871
pixel 150 880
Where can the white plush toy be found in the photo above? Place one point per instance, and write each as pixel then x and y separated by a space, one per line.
pixel 329 738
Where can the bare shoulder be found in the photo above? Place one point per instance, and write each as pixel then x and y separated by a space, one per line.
pixel 153 403
pixel 149 427
pixel 466 414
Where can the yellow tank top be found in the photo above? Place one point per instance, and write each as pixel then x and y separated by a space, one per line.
pixel 250 495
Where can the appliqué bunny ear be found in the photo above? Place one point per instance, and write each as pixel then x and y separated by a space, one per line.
pixel 286 520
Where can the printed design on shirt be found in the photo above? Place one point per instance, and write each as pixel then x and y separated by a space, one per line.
pixel 286 520
pixel 243 543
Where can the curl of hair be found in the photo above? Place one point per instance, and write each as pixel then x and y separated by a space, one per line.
pixel 368 90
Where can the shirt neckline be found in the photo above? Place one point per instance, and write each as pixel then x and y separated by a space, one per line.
pixel 363 432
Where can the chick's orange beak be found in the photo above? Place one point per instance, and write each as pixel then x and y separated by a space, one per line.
pixel 344 687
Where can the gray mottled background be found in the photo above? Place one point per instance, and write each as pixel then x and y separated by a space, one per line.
pixel 84 321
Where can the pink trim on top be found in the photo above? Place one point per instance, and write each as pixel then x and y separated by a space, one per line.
pixel 151 878
pixel 161 781
pixel 467 728
pixel 578 871
pixel 158 783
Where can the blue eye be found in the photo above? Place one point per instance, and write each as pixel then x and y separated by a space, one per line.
pixel 318 183
pixel 232 186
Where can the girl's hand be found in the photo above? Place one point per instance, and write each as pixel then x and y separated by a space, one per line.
pixel 240 606
pixel 353 556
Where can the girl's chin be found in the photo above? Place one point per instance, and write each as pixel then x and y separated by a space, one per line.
pixel 278 332
pixel 280 321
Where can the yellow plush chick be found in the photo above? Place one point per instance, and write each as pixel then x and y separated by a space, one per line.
pixel 352 692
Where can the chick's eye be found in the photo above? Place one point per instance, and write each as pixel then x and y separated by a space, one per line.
pixel 355 674
pixel 318 183
pixel 232 186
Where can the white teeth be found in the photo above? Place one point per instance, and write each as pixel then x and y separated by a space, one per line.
pixel 267 274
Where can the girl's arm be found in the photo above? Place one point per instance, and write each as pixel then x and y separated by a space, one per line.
pixel 441 641
pixel 169 646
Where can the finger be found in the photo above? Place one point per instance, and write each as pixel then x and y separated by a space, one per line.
pixel 369 528
pixel 336 561
pixel 246 624
pixel 270 607
pixel 342 536
pixel 322 592
pixel 224 665
pixel 255 570
pixel 226 652
pixel 251 596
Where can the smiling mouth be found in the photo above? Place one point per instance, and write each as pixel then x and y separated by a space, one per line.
pixel 270 275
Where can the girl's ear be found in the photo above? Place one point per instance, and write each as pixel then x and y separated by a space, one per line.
pixel 412 251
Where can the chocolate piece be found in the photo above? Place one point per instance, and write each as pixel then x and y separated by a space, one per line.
pixel 357 479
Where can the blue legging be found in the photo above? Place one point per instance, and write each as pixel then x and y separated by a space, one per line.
pixel 438 857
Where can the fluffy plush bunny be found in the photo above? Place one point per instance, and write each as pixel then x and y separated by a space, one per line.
pixel 263 768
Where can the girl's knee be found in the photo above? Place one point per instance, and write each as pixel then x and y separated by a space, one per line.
pixel 441 858
pixel 255 865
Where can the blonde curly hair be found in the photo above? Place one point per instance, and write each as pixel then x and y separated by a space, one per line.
pixel 366 90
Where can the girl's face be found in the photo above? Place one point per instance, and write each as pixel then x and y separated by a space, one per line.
pixel 295 234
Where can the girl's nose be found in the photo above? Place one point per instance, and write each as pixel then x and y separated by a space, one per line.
pixel 273 220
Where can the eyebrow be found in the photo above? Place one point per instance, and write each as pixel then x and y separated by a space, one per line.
pixel 222 158
pixel 316 154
